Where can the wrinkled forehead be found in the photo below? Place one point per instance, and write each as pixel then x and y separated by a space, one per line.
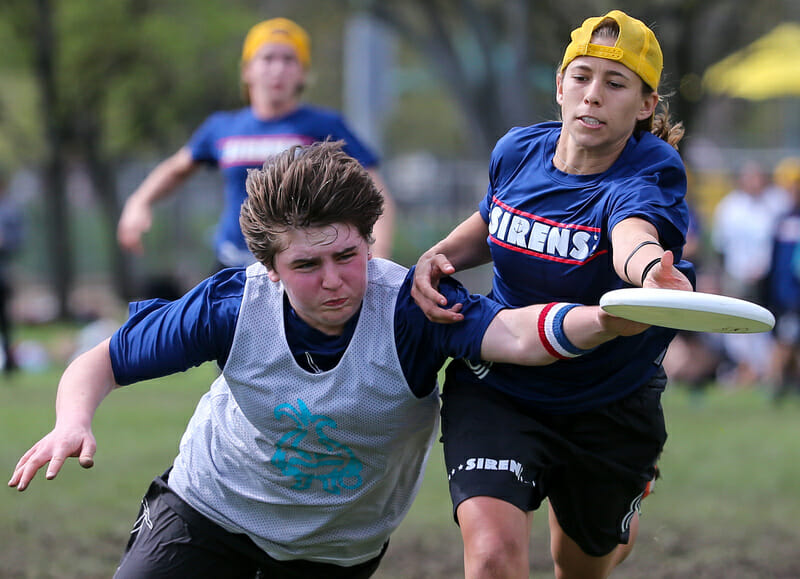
pixel 321 239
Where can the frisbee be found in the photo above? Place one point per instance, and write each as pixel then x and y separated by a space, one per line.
pixel 685 310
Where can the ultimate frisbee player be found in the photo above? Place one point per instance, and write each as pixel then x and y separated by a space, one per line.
pixel 308 449
pixel 574 209
pixel 276 59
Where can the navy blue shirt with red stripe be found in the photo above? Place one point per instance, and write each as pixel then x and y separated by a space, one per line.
pixel 550 240
pixel 237 141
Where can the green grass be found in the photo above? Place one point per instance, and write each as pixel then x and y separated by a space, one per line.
pixel 726 506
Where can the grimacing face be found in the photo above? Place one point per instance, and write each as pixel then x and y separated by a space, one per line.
pixel 324 273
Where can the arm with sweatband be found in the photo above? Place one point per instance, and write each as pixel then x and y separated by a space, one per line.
pixel 552 334
pixel 542 334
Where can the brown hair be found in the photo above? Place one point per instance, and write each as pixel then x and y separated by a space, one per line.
pixel 311 186
pixel 660 123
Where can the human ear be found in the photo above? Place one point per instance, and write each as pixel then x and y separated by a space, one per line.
pixel 649 104
pixel 559 89
pixel 245 73
pixel 273 275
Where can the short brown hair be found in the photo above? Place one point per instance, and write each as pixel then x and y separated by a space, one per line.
pixel 302 187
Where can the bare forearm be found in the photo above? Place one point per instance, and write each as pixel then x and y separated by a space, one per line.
pixel 84 385
pixel 635 244
pixel 164 178
pixel 532 336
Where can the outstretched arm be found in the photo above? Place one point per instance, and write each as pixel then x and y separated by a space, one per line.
pixel 84 384
pixel 463 248
pixel 541 334
pixel 137 216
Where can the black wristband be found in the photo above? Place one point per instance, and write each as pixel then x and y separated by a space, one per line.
pixel 648 267
pixel 635 249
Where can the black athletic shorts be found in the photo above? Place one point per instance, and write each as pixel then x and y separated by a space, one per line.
pixel 592 466
pixel 172 540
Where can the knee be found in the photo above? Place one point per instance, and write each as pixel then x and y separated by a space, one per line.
pixel 496 536
pixel 496 555
pixel 574 563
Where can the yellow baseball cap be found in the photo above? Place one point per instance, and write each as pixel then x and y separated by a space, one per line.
pixel 281 31
pixel 787 172
pixel 636 46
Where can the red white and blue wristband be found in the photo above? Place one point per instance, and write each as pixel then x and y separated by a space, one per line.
pixel 551 331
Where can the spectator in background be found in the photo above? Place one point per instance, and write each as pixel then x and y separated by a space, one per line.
pixel 743 226
pixel 783 285
pixel 276 58
pixel 693 358
pixel 10 242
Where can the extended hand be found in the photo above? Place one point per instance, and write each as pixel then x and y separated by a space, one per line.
pixel 432 267
pixel 54 449
pixel 135 221
pixel 665 275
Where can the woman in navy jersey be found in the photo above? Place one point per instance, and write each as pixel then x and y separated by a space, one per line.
pixel 573 209
pixel 308 449
pixel 276 57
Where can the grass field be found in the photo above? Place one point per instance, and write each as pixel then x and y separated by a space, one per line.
pixel 727 505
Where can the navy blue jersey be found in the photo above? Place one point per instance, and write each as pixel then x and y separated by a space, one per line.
pixel 550 239
pixel 163 337
pixel 784 276
pixel 236 141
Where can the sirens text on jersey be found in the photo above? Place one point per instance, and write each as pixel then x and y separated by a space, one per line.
pixel 534 235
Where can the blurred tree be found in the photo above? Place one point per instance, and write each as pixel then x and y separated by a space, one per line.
pixel 482 52
pixel 110 75
pixel 498 58
pixel 93 83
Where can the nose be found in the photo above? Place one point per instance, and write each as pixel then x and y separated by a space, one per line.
pixel 331 279
pixel 593 93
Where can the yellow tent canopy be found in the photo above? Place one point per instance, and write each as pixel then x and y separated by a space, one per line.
pixel 767 68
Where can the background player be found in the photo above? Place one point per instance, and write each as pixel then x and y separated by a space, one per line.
pixel 276 58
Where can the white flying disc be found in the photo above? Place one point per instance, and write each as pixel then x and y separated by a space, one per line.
pixel 684 310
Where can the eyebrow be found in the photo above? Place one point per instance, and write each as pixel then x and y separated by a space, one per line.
pixel 299 260
pixel 610 72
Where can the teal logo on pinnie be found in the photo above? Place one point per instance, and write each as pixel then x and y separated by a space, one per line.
pixel 307 452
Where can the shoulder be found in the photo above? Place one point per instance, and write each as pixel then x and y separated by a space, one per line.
pixel 223 122
pixel 648 161
pixel 649 150
pixel 386 273
pixel 319 114
pixel 227 116
pixel 521 137
pixel 228 283
pixel 520 143
pixel 521 148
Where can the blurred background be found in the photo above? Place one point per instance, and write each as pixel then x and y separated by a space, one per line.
pixel 95 94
